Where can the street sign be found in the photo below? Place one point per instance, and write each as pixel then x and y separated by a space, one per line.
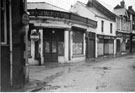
pixel 35 36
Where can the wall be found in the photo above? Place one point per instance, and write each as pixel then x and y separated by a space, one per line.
pixel 106 27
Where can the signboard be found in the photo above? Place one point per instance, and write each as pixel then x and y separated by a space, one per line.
pixel 35 36
pixel 60 14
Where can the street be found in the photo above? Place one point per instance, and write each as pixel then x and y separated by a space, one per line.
pixel 112 75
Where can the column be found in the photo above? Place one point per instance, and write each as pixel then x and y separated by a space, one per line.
pixel 84 44
pixel 96 46
pixel 66 45
pixel 41 45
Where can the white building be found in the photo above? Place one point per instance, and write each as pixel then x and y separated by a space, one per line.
pixel 106 25
pixel 61 34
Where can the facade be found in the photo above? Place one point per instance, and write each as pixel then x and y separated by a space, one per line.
pixel 123 29
pixel 61 35
pixel 131 14
pixel 106 25
pixel 12 44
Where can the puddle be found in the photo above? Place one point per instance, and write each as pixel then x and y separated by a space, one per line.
pixel 50 87
pixel 102 68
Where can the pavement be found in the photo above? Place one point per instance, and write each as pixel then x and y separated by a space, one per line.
pixel 40 76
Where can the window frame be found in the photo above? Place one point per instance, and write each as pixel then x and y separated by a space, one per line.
pixel 111 28
pixel 4 9
pixel 102 26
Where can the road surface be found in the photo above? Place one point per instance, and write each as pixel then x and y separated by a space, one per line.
pixel 112 75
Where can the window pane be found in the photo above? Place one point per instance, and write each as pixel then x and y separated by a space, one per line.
pixel 2 25
pixel 61 48
pixel 54 50
pixel 77 48
pixel 47 47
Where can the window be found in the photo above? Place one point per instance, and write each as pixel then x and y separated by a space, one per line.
pixel 102 26
pixel 110 27
pixel 77 42
pixel 4 21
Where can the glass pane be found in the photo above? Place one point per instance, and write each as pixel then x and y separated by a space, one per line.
pixel 47 47
pixel 54 50
pixel 77 48
pixel 61 48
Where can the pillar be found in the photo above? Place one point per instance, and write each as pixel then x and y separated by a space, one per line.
pixel 41 46
pixel 66 45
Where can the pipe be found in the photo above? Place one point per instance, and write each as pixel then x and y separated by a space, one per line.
pixel 11 46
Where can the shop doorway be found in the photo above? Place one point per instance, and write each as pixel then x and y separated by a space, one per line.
pixel 53 38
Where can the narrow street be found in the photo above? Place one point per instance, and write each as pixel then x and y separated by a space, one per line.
pixel 112 75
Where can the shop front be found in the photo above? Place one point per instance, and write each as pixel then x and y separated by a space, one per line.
pixel 122 42
pixel 105 45
pixel 90 45
pixel 61 36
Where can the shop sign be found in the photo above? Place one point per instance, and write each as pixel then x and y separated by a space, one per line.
pixel 34 36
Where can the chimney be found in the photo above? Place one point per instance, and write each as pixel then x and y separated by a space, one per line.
pixel 90 3
pixel 130 8
pixel 122 4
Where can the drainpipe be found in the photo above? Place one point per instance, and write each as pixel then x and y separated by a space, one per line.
pixel 11 46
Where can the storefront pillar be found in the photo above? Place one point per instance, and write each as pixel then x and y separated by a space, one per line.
pixel 41 46
pixel 66 44
pixel 114 50
pixel 96 47
pixel 84 44
pixel 71 45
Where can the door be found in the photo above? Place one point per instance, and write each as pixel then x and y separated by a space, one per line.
pixel 118 46
pixel 90 49
pixel 50 45
pixel 51 51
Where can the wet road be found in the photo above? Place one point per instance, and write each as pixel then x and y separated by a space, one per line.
pixel 113 75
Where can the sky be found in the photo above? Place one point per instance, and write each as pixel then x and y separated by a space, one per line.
pixel 66 4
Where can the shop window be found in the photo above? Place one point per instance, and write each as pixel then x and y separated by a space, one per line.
pixel 47 47
pixel 54 48
pixel 3 22
pixel 61 48
pixel 77 42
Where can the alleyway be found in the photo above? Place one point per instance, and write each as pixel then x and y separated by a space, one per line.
pixel 110 75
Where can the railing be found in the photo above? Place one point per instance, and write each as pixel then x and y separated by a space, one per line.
pixel 62 15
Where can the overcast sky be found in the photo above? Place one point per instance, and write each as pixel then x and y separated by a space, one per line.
pixel 66 4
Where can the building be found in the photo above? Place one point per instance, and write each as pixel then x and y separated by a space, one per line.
pixel 106 25
pixel 61 34
pixel 123 28
pixel 131 14
pixel 12 43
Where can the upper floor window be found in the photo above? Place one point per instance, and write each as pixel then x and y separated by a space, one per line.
pixel 102 26
pixel 111 27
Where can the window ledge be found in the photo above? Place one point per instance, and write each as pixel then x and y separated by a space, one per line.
pixel 79 55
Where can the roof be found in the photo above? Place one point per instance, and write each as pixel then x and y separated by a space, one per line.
pixel 93 10
pixel 44 5
pixel 121 11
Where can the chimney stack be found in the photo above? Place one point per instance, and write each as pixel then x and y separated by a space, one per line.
pixel 122 4
pixel 130 8
pixel 90 3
